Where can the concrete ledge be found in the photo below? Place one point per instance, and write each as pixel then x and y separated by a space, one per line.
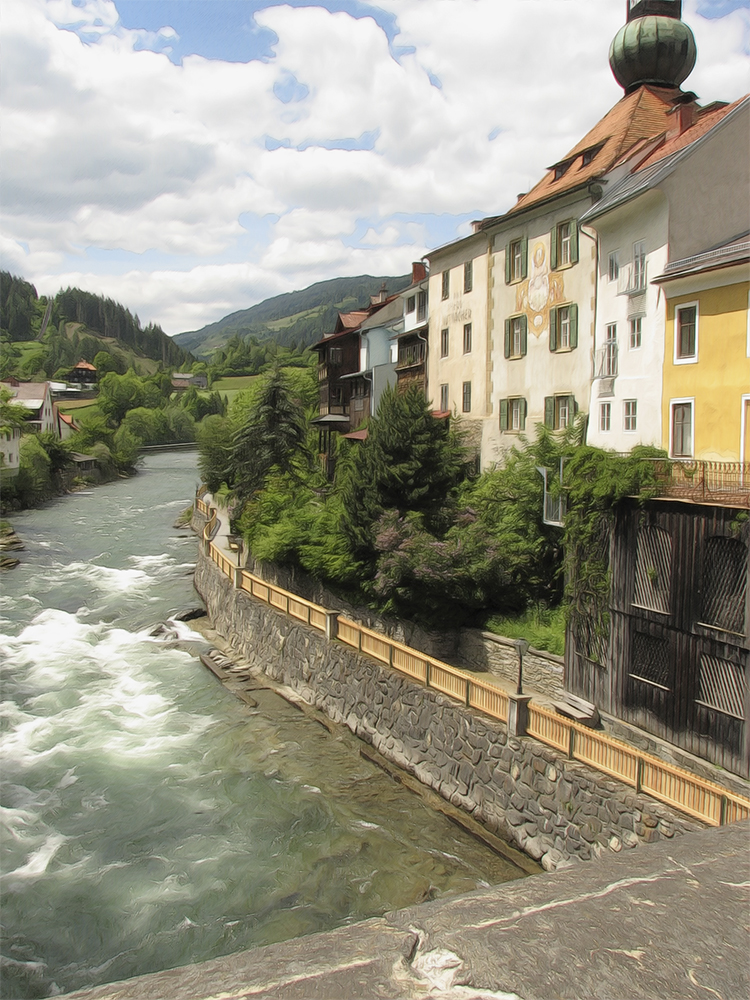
pixel 669 922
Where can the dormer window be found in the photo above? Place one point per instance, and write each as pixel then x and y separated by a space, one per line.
pixel 587 157
pixel 560 170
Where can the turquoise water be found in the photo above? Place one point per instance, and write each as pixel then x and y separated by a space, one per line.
pixel 150 819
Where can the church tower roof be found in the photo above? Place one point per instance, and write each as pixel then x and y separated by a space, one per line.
pixel 654 47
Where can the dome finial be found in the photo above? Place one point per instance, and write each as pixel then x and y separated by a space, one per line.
pixel 654 47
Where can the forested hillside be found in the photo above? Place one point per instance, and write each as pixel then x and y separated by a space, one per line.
pixel 294 319
pixel 40 337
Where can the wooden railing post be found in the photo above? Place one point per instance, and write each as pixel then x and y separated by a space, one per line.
pixel 468 692
pixel 518 713
pixel 332 624
pixel 723 811
pixel 571 743
pixel 427 673
pixel 639 774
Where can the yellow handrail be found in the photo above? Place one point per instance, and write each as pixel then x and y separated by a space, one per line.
pixel 687 792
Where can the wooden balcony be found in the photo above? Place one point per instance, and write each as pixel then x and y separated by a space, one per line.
pixel 723 483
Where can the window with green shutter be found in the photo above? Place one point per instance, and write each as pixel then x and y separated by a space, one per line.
pixel 549 412
pixel 552 330
pixel 516 260
pixel 516 336
pixel 503 414
pixel 563 327
pixel 507 338
pixel 563 248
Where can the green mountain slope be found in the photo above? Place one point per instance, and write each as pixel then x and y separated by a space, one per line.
pixel 294 318
pixel 42 338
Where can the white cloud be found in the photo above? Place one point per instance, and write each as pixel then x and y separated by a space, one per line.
pixel 114 148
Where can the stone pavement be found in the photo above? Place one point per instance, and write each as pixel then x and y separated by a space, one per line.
pixel 668 921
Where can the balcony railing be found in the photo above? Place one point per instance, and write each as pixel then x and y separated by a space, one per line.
pixel 632 279
pixel 704 482
pixel 605 360
pixel 409 356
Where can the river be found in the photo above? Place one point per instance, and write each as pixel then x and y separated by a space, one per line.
pixel 150 819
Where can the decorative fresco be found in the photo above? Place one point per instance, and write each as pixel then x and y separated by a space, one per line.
pixel 540 292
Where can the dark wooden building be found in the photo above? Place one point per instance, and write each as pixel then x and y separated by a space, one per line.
pixel 677 657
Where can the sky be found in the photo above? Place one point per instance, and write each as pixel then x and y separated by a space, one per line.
pixel 189 158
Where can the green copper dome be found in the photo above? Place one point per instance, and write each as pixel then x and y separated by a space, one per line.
pixel 655 50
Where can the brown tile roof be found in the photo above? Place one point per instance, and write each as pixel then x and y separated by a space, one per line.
pixel 703 124
pixel 637 116
pixel 351 320
pixel 84 364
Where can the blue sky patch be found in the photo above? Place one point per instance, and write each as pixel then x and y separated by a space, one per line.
pixel 289 90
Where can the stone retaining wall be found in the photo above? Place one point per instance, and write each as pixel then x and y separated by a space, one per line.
pixel 555 809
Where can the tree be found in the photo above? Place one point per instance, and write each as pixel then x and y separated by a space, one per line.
pixel 272 435
pixel 410 462
pixel 214 435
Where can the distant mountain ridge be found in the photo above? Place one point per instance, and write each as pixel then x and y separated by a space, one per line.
pixel 293 318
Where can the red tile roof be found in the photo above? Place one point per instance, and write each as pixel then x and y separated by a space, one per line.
pixel 84 364
pixel 704 122
pixel 637 116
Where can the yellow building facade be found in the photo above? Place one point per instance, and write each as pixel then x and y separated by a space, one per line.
pixel 706 375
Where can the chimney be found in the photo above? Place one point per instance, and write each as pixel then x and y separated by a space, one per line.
pixel 684 114
pixel 418 271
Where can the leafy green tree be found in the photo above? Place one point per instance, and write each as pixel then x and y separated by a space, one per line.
pixel 214 436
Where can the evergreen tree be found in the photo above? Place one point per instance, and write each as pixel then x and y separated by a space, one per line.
pixel 272 435
pixel 410 462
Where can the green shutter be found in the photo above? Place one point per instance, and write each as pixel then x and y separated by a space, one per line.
pixel 507 264
pixel 549 412
pixel 524 329
pixel 573 241
pixel 524 257
pixel 573 314
pixel 503 414
pixel 524 410
pixel 573 406
pixel 507 338
pixel 553 248
pixel 553 329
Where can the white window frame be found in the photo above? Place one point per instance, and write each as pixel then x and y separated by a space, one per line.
pixel 563 328
pixel 564 236
pixel 610 351
pixel 516 260
pixel 631 418
pixel 562 408
pixel 466 397
pixel 468 337
pixel 639 266
pixel 445 289
pixel 445 342
pixel 445 402
pixel 605 417
pixel 682 402
pixel 633 320
pixel 691 359
pixel 516 331
pixel 411 304
pixel 613 266
pixel 514 417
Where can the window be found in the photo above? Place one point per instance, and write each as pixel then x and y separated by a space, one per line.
pixel 563 328
pixel 446 284
pixel 614 265
pixel 630 414
pixel 466 397
pixel 335 355
pixel 516 336
pixel 468 275
pixel 467 338
pixel 639 266
pixel 635 332
pixel 564 244
pixel 559 411
pixel 411 303
pixel 686 334
pixel 516 260
pixel 421 305
pixel 444 342
pixel 605 416
pixel 609 356
pixel 513 414
pixel 681 428
pixel 444 402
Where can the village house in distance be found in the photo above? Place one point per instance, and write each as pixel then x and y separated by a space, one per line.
pixel 616 289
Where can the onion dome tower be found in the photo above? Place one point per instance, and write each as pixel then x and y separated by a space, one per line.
pixel 654 47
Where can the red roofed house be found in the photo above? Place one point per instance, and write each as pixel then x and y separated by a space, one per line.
pixel 84 373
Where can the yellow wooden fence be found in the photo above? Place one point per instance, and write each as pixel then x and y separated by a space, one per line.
pixel 687 792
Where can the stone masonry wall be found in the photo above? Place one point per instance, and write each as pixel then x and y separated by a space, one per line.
pixel 555 809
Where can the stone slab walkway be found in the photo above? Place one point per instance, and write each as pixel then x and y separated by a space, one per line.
pixel 667 921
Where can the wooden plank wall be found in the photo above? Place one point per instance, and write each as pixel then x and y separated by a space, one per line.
pixel 668 646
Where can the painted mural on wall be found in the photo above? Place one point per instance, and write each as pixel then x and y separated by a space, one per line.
pixel 540 292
